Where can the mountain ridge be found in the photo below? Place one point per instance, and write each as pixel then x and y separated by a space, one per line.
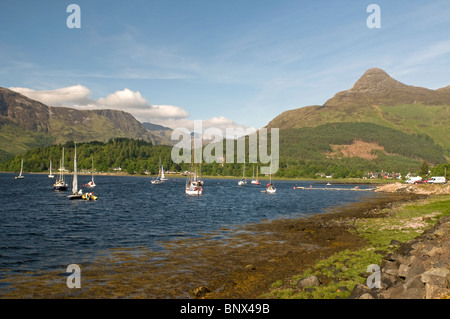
pixel 378 87
pixel 26 123
pixel 378 98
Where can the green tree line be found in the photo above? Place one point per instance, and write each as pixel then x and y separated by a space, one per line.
pixel 302 154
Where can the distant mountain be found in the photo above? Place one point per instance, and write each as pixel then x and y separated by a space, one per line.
pixel 155 127
pixel 26 123
pixel 163 132
pixel 378 98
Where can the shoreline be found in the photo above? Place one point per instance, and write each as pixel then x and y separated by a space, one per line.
pixel 387 232
pixel 274 178
pixel 308 239
pixel 242 262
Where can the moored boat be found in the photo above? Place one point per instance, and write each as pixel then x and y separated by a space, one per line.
pixel 91 184
pixel 255 181
pixel 76 194
pixel 20 174
pixel 50 175
pixel 194 186
pixel 60 184
pixel 270 189
pixel 243 181
pixel 89 196
pixel 161 177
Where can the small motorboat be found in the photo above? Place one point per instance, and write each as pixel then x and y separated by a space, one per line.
pixel 89 196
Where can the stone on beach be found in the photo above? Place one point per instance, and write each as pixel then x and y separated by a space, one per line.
pixel 310 281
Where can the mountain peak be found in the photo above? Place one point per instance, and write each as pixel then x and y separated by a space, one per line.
pixel 376 87
pixel 375 80
pixel 375 71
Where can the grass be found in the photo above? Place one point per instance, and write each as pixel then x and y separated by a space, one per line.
pixel 343 270
pixel 421 119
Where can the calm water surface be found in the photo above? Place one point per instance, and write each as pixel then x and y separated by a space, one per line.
pixel 41 229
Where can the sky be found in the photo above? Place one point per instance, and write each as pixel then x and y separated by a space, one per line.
pixel 229 63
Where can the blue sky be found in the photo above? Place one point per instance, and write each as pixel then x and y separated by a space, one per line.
pixel 225 62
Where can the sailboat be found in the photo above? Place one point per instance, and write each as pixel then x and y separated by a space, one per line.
pixel 21 170
pixel 243 181
pixel 270 189
pixel 161 177
pixel 76 194
pixel 195 186
pixel 60 184
pixel 255 181
pixel 91 184
pixel 51 175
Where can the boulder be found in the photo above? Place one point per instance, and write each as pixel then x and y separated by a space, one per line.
pixel 435 276
pixel 414 282
pixel 366 296
pixel 417 269
pixel 359 290
pixel 414 293
pixel 390 267
pixel 403 271
pixel 310 281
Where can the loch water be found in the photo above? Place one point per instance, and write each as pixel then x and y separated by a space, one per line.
pixel 41 229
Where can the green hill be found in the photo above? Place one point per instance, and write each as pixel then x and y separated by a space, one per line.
pixel 379 99
pixel 345 149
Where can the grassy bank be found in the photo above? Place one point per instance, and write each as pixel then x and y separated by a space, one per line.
pixel 382 231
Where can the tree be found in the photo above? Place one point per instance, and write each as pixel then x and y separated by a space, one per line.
pixel 423 168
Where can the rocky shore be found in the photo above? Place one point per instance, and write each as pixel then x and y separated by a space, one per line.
pixel 420 189
pixel 418 269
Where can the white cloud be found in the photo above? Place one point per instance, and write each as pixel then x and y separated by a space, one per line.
pixel 125 99
pixel 168 111
pixel 134 103
pixel 77 94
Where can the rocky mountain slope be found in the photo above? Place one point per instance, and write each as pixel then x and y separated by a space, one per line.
pixel 26 123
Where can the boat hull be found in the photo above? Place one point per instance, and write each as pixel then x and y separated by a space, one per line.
pixel 60 186
pixel 75 196
pixel 194 192
pixel 89 185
